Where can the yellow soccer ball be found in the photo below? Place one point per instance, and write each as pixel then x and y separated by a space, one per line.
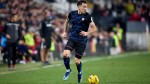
pixel 93 79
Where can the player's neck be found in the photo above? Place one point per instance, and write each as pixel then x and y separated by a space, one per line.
pixel 79 12
pixel 13 21
pixel 47 18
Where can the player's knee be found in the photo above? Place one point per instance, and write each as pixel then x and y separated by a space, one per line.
pixel 66 53
pixel 42 50
pixel 77 61
pixel 46 50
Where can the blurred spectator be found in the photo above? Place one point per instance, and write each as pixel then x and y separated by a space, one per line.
pixel 106 43
pixel 2 5
pixel 22 51
pixel 37 39
pixel 46 34
pixel 1 26
pixel 92 45
pixel 130 7
pixel 93 41
pixel 135 17
pixel 119 32
pixel 30 42
pixel 2 48
pixel 114 44
pixel 59 42
pixel 2 42
pixel 13 34
pixel 118 7
pixel 52 49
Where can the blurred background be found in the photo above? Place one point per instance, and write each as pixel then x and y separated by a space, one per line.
pixel 123 25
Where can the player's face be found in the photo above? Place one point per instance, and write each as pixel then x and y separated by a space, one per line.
pixel 112 34
pixel 48 14
pixel 117 25
pixel 83 8
pixel 15 18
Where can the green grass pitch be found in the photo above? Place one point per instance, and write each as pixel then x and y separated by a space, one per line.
pixel 128 68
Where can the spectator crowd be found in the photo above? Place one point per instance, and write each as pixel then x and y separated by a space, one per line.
pixel 110 18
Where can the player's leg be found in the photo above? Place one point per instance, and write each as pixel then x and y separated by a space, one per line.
pixel 42 53
pixel 66 58
pixel 14 55
pixel 46 57
pixel 79 49
pixel 9 56
pixel 66 53
pixel 79 68
pixel 48 45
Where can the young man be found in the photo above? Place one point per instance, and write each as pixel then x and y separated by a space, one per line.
pixel 13 34
pixel 82 26
pixel 46 34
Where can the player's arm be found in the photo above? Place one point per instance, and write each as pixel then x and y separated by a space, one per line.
pixel 5 32
pixel 65 25
pixel 92 29
pixel 64 35
pixel 42 31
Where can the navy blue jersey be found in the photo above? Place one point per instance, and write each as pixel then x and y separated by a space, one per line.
pixel 79 22
pixel 46 28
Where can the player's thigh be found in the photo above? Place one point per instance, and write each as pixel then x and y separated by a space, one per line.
pixel 77 60
pixel 79 50
pixel 68 48
pixel 47 43
pixel 42 49
pixel 70 45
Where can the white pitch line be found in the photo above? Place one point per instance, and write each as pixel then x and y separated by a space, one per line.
pixel 83 61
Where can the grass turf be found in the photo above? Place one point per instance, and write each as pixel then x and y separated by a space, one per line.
pixel 130 68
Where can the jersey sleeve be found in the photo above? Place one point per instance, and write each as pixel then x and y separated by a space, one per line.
pixel 89 19
pixel 69 16
pixel 42 29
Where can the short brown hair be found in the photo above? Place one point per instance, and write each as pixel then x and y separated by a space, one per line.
pixel 12 15
pixel 45 11
pixel 80 2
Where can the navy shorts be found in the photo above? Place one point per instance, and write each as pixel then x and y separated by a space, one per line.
pixel 46 44
pixel 79 48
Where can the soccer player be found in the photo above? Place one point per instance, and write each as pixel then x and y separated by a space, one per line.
pixel 13 34
pixel 46 34
pixel 82 26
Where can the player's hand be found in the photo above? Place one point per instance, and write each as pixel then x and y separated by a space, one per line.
pixel 83 33
pixel 43 40
pixel 64 35
pixel 8 36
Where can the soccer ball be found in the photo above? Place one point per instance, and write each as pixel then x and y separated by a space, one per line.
pixel 93 79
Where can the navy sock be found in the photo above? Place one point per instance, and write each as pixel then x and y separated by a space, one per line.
pixel 79 67
pixel 67 62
